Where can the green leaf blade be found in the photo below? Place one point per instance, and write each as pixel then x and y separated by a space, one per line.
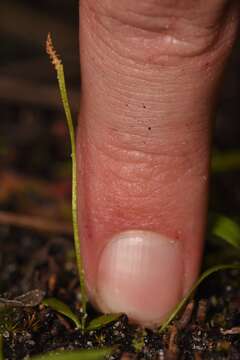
pixel 95 354
pixel 102 321
pixel 227 229
pixel 63 309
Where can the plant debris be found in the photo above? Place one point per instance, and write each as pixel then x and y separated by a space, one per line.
pixel 30 299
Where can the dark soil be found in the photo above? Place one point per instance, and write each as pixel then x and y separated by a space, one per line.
pixel 208 329
pixel 35 218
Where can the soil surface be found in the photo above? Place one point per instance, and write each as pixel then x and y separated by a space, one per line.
pixel 209 328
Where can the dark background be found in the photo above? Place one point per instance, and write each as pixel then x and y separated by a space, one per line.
pixel 25 69
pixel 35 176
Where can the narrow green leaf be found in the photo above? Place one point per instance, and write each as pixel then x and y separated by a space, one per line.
pixel 63 309
pixel 227 229
pixel 180 305
pixel 227 161
pixel 95 354
pixel 1 348
pixel 102 320
pixel 64 97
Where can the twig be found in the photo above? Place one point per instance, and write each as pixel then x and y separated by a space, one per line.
pixel 128 356
pixel 233 331
pixel 52 282
pixel 173 350
pixel 197 356
pixel 186 316
pixel 35 223
pixel 201 311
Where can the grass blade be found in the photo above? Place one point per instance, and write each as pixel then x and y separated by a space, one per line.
pixel 63 92
pixel 63 309
pixel 180 305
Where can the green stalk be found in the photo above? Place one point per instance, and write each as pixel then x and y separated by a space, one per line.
pixel 64 97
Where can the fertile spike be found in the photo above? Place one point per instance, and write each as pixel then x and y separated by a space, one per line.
pixel 56 61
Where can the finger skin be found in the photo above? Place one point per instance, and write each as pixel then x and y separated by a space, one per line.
pixel 149 89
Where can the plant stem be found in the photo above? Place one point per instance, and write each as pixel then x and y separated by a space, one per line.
pixel 63 92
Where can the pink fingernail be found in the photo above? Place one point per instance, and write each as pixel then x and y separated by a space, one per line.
pixel 141 274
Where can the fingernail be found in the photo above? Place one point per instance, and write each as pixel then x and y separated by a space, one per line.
pixel 140 274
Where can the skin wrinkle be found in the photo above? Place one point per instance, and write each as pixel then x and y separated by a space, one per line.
pixel 131 158
pixel 140 118
pixel 171 25
pixel 172 21
pixel 126 70
pixel 130 172
pixel 205 46
pixel 115 148
pixel 123 89
pixel 157 9
pixel 115 141
pixel 134 189
pixel 122 216
pixel 135 95
pixel 125 62
pixel 137 175
pixel 179 14
pixel 123 93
